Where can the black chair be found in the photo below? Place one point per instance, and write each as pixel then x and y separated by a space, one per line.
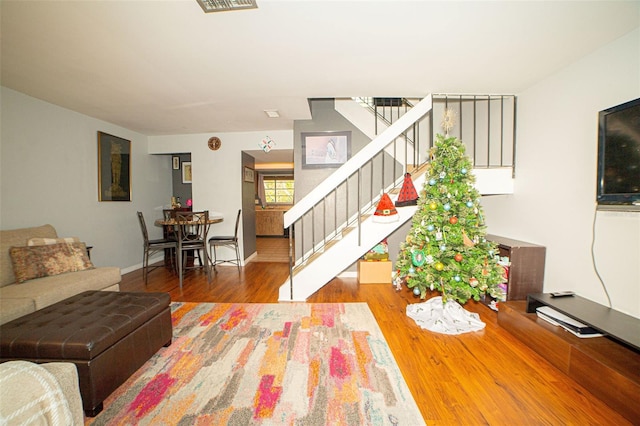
pixel 152 247
pixel 226 241
pixel 193 228
pixel 170 232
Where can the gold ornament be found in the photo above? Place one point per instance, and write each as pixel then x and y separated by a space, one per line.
pixel 448 120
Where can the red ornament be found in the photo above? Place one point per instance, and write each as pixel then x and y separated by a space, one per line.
pixel 458 257
pixel 453 220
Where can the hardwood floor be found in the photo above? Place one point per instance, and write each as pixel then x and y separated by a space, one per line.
pixel 272 249
pixel 487 377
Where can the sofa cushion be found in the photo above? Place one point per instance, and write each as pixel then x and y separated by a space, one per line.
pixel 11 309
pixel 31 262
pixel 49 290
pixel 18 237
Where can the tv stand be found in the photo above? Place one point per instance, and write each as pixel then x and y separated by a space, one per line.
pixel 609 367
pixel 616 325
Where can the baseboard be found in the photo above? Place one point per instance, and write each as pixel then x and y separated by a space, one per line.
pixel 137 266
pixel 348 274
pixel 250 258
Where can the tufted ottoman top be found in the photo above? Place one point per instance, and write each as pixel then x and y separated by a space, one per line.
pixel 80 327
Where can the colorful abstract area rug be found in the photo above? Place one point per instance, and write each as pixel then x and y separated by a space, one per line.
pixel 267 364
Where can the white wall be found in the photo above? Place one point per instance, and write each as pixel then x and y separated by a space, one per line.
pixel 217 175
pixel 554 200
pixel 49 174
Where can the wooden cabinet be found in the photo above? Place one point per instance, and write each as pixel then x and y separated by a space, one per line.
pixel 270 222
pixel 526 270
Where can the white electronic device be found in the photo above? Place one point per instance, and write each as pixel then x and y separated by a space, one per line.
pixel 575 327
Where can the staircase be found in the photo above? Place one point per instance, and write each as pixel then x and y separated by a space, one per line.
pixel 333 224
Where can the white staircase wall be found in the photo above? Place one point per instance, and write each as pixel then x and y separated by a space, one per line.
pixel 494 181
pixel 358 115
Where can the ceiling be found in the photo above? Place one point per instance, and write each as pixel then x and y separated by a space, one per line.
pixel 165 67
pixel 276 158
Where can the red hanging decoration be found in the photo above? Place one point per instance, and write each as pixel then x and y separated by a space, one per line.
pixel 408 194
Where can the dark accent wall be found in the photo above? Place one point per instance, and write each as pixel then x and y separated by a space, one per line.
pixel 182 190
pixel 248 208
pixel 326 119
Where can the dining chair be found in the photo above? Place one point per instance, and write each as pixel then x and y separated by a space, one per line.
pixel 193 228
pixel 170 232
pixel 230 241
pixel 152 247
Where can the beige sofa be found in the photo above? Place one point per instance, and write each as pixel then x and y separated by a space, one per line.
pixel 18 299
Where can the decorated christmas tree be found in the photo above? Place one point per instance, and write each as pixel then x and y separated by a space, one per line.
pixel 446 249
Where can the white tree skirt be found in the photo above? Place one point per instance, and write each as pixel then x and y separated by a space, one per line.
pixel 448 318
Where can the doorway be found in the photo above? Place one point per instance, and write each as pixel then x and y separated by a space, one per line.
pixel 271 242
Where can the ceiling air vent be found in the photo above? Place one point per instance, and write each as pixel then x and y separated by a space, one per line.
pixel 387 102
pixel 224 5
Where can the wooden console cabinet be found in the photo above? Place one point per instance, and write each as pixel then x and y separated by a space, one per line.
pixel 608 367
pixel 526 272
pixel 270 222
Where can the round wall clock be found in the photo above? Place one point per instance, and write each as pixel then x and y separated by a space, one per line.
pixel 214 143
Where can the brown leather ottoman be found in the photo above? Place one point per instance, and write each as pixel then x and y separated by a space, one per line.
pixel 107 335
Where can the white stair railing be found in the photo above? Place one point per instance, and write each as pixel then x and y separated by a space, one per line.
pixel 341 200
pixel 357 162
pixel 340 204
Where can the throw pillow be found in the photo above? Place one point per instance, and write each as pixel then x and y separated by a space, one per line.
pixel 50 241
pixel 31 262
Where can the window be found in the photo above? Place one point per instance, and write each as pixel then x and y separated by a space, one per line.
pixel 278 189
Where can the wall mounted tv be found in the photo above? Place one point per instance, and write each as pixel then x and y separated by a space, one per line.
pixel 618 185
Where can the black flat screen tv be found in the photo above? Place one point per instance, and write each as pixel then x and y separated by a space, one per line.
pixel 618 186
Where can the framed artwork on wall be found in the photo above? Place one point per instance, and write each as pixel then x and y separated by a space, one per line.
pixel 175 161
pixel 325 149
pixel 186 172
pixel 249 174
pixel 114 168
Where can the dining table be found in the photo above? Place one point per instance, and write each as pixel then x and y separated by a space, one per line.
pixel 214 217
pixel 169 228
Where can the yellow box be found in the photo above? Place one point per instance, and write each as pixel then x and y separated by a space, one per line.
pixel 374 272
